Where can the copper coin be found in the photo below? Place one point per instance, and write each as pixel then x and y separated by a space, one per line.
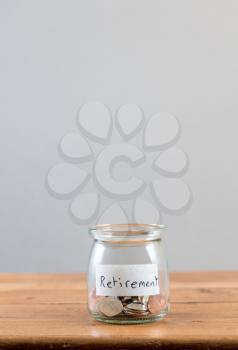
pixel 156 303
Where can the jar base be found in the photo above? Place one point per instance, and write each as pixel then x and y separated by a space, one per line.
pixel 130 320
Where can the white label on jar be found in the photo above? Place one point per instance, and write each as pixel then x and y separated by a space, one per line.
pixel 127 280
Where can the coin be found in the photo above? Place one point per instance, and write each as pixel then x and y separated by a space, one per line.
pixel 137 307
pixel 156 303
pixel 125 300
pixel 135 313
pixel 110 306
pixel 94 300
pixel 143 300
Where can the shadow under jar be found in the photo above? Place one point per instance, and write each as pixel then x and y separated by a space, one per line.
pixel 127 276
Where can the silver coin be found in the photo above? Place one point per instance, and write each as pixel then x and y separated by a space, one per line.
pixel 125 300
pixel 143 300
pixel 137 307
pixel 110 306
pixel 94 300
pixel 135 313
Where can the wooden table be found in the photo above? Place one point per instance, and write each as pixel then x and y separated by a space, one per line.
pixel 48 311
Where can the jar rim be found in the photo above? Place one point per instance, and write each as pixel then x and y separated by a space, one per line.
pixel 126 232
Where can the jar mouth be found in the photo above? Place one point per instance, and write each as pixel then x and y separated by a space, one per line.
pixel 126 232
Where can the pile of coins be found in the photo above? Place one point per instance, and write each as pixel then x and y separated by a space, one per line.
pixel 134 306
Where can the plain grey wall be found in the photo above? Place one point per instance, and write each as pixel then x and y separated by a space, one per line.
pixel 180 56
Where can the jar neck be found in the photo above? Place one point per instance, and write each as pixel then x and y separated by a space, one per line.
pixel 113 244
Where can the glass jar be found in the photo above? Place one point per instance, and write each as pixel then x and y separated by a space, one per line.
pixel 127 275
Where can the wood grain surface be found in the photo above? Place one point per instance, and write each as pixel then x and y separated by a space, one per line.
pixel 49 311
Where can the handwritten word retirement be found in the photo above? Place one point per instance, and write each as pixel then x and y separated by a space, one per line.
pixel 119 282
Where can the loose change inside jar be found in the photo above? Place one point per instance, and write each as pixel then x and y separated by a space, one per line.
pixel 128 277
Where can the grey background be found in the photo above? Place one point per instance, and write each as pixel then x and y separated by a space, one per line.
pixel 177 56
